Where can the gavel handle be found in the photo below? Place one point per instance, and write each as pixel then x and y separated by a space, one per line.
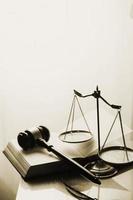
pixel 83 171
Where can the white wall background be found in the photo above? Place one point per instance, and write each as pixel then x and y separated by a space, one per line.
pixel 50 47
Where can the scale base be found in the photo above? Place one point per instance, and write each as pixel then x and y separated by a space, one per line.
pixel 101 170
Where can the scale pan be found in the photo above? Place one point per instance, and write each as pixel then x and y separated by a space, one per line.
pixel 116 155
pixel 75 136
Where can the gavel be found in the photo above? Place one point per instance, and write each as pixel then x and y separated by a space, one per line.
pixel 39 136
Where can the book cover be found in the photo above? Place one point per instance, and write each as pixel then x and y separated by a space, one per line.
pixel 39 162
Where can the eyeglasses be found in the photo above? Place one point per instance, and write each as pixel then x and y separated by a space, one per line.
pixel 77 194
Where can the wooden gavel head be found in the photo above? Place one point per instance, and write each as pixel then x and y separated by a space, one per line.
pixel 27 139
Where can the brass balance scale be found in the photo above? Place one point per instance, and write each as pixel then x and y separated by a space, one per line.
pixel 104 166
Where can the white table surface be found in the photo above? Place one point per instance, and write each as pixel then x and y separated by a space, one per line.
pixel 116 188
pixel 119 187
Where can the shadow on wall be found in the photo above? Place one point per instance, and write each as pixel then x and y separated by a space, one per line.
pixel 5 192
pixel 132 120
pixel 9 179
pixel 132 114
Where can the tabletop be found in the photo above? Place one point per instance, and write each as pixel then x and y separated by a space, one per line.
pixel 116 188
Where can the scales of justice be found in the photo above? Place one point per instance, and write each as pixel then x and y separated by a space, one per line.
pixel 108 157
